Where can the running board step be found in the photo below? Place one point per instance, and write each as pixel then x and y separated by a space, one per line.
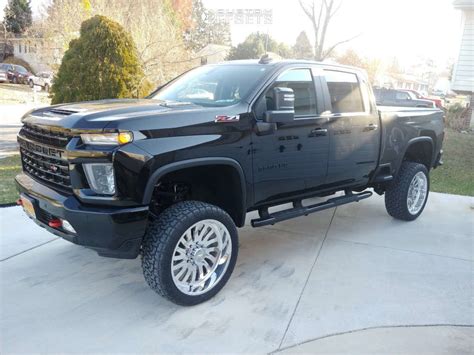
pixel 383 178
pixel 298 210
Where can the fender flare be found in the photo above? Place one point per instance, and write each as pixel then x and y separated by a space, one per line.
pixel 183 164
pixel 414 141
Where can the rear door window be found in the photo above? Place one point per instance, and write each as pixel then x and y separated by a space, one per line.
pixel 344 91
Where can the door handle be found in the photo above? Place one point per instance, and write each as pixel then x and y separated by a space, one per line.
pixel 371 127
pixel 318 132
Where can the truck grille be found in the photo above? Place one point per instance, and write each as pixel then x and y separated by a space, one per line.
pixel 46 163
pixel 45 136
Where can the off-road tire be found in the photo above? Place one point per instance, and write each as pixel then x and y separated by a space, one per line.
pixel 162 235
pixel 396 194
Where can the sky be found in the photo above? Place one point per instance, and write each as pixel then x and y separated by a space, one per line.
pixel 406 29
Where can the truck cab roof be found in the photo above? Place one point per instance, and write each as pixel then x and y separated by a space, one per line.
pixel 278 63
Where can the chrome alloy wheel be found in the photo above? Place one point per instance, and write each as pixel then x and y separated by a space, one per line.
pixel 417 192
pixel 201 257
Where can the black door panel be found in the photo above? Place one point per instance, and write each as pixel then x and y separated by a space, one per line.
pixel 353 130
pixel 293 158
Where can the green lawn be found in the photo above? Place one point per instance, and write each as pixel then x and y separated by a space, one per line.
pixel 456 176
pixel 9 167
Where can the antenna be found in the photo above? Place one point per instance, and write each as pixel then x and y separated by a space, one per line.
pixel 266 42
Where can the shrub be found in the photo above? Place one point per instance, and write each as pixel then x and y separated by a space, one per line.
pixel 455 117
pixel 102 63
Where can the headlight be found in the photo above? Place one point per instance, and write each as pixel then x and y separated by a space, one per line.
pixel 101 178
pixel 107 138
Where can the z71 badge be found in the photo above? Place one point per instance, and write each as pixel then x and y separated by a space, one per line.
pixel 224 119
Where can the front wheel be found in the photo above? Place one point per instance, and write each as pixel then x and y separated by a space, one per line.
pixel 189 252
pixel 407 195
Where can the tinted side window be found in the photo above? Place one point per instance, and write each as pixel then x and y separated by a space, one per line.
pixel 378 95
pixel 301 81
pixel 344 90
pixel 402 95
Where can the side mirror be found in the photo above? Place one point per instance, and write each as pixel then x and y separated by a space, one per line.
pixel 284 106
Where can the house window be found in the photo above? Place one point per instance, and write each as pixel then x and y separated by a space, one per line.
pixel 19 47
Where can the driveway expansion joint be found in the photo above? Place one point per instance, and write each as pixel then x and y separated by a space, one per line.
pixel 307 278
pixel 372 328
pixel 27 250
pixel 401 249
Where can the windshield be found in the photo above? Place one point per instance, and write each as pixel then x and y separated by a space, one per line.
pixel 20 69
pixel 213 86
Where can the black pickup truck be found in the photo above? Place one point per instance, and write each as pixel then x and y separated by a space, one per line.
pixel 170 177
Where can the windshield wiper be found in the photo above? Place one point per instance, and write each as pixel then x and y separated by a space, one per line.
pixel 169 103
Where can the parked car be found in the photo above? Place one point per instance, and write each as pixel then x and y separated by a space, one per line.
pixel 401 98
pixel 170 177
pixel 416 95
pixel 9 69
pixel 43 79
pixel 3 76
pixel 16 73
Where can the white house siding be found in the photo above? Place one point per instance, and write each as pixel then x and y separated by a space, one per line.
pixel 28 50
pixel 463 78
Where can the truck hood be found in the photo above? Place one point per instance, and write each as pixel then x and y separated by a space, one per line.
pixel 132 114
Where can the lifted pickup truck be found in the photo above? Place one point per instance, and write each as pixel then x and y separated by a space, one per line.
pixel 170 177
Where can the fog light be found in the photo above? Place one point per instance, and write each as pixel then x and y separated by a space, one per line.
pixel 67 226
pixel 101 178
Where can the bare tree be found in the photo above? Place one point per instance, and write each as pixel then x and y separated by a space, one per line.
pixel 156 31
pixel 320 13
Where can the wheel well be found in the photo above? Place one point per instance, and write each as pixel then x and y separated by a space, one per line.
pixel 420 152
pixel 218 184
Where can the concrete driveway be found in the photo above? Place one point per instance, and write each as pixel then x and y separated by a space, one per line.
pixel 350 279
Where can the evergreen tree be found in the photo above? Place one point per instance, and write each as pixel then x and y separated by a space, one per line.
pixel 254 47
pixel 102 63
pixel 18 16
pixel 205 29
pixel 302 48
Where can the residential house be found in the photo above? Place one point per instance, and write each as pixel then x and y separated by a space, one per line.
pixel 212 53
pixel 28 49
pixel 463 75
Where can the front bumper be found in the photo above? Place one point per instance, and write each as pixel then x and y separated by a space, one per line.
pixel 111 231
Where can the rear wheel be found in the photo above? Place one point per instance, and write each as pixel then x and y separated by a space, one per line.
pixel 189 252
pixel 407 195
